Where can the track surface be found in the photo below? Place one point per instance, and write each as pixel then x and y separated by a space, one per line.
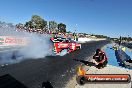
pixel 56 69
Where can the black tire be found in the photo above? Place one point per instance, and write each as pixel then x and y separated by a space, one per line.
pixel 81 80
pixel 78 48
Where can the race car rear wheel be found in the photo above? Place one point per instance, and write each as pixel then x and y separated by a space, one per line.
pixel 78 47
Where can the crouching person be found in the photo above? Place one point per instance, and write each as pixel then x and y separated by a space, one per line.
pixel 100 59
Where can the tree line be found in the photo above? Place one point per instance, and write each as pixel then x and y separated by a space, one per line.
pixel 100 36
pixel 38 22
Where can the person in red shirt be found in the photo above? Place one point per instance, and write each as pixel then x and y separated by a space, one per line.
pixel 100 59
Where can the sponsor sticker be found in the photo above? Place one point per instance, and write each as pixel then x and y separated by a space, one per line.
pixel 107 78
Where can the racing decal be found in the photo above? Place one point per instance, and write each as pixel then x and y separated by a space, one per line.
pixel 73 46
pixel 12 40
pixel 54 48
pixel 63 45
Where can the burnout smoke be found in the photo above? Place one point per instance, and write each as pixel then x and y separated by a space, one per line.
pixel 37 46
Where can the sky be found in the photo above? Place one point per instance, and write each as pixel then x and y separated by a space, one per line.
pixel 107 17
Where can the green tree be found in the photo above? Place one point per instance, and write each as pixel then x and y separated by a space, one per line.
pixel 29 24
pixel 53 26
pixel 36 22
pixel 61 27
pixel 19 25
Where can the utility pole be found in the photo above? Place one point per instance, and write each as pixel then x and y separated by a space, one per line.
pixel 128 39
pixel 120 40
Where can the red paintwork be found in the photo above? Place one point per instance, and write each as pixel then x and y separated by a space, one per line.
pixel 70 46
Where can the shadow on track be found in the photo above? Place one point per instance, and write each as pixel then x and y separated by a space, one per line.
pixel 7 81
pixel 87 63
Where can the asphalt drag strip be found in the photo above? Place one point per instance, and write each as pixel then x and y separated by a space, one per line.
pixel 56 69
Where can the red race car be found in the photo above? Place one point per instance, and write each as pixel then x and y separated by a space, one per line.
pixel 61 44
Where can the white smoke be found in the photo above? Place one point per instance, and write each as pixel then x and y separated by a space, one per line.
pixel 63 52
pixel 38 46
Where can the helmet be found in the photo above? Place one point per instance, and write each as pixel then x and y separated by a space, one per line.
pixel 98 50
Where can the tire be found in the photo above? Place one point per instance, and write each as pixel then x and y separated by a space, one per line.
pixel 78 48
pixel 81 80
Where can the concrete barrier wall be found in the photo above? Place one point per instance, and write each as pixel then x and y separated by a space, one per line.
pixel 83 40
